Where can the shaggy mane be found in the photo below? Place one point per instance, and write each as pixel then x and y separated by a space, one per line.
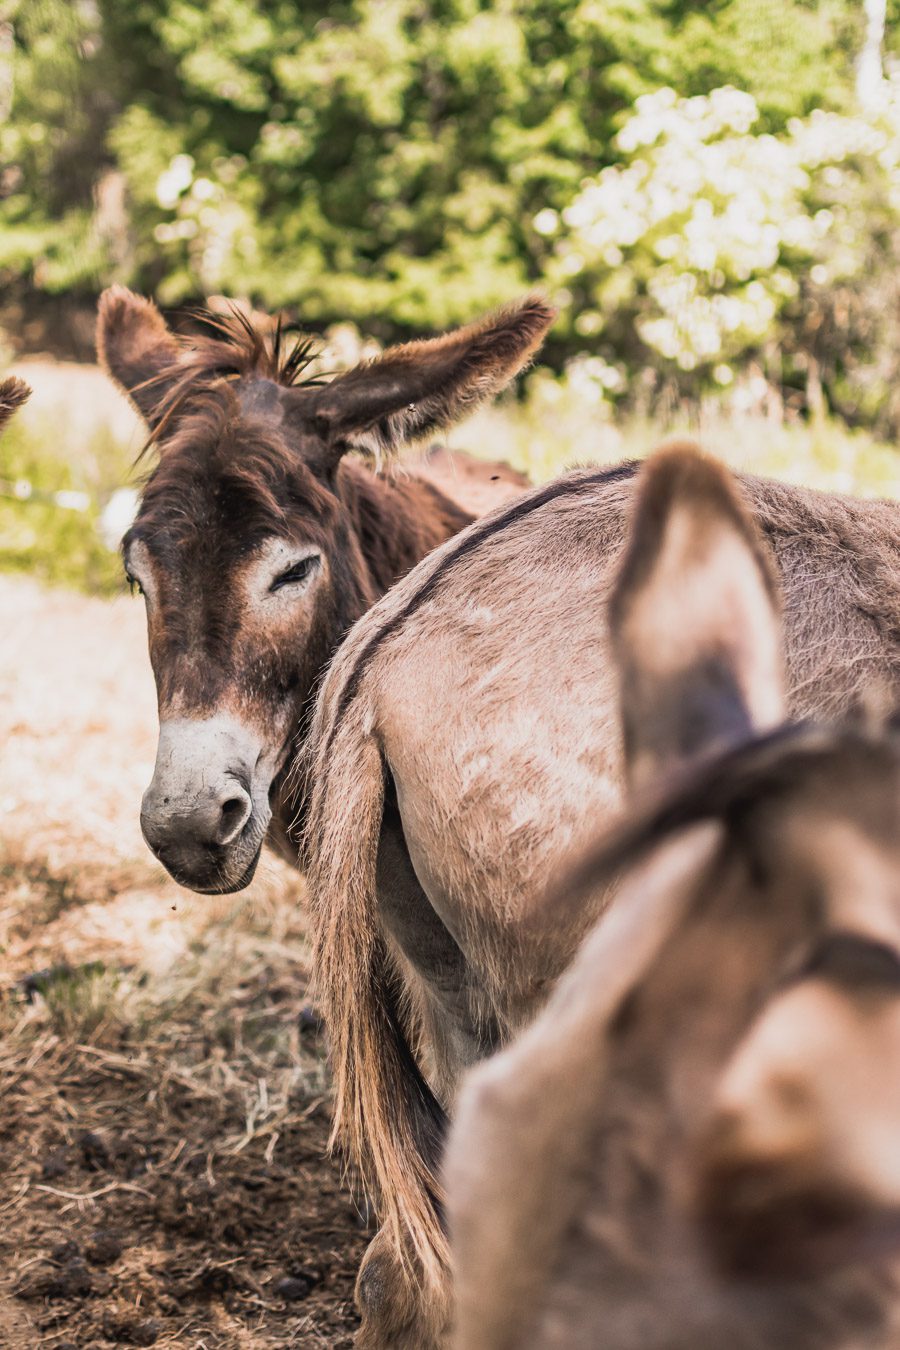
pixel 246 347
pixel 242 348
pixel 259 472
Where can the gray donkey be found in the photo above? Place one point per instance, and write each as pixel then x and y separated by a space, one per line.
pixel 466 744
pixel 705 1115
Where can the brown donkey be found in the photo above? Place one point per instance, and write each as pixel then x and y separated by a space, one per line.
pixel 466 742
pixel 695 1144
pixel 257 545
pixel 13 393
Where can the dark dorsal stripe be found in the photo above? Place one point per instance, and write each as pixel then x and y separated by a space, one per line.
pixel 468 543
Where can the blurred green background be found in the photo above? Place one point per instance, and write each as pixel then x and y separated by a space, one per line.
pixel 710 192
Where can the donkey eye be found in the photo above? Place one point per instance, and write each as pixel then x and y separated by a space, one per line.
pixel 298 571
pixel 133 584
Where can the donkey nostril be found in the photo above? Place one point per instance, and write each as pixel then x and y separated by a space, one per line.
pixel 233 814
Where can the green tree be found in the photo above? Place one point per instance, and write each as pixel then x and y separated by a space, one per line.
pixel 379 160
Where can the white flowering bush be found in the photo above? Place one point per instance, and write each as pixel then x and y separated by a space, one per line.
pixel 708 241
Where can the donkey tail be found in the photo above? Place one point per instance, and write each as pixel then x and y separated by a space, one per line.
pixel 387 1120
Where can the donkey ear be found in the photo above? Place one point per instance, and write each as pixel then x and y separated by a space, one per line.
pixel 413 390
pixel 694 616
pixel 13 393
pixel 798 1170
pixel 135 347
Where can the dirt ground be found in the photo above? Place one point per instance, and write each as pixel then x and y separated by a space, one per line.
pixel 164 1103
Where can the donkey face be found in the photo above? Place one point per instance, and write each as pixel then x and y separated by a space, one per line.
pixel 248 579
pixel 253 548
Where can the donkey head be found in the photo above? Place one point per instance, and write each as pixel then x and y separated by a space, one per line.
pixel 251 550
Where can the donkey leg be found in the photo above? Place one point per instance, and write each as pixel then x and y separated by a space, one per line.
pixel 401 1307
pixel 396 1315
pixel 436 973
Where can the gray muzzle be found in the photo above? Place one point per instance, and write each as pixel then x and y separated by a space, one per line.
pixel 206 811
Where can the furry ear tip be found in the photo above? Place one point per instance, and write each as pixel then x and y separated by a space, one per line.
pixel 535 308
pixel 539 301
pixel 681 478
pixel 119 305
pixel 673 456
pixel 682 472
pixel 118 297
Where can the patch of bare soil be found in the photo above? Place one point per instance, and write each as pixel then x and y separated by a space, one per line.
pixel 164 1103
pixel 142 1204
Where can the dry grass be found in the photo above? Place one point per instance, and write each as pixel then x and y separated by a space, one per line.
pixel 159 1077
pixel 555 428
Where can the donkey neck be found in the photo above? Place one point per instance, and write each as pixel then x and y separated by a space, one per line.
pixel 398 519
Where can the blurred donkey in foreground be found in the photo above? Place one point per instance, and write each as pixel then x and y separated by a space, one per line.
pixel 695 1145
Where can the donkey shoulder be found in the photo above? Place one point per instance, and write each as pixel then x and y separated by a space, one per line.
pixel 496 544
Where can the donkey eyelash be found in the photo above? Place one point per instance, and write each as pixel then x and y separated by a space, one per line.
pixel 299 571
pixel 133 584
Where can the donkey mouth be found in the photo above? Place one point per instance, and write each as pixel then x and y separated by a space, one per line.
pixel 225 887
pixel 213 875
